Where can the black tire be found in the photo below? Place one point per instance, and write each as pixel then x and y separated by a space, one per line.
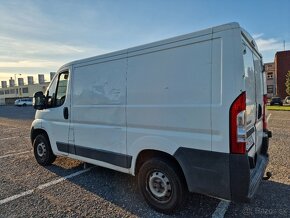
pixel 24 105
pixel 42 150
pixel 152 177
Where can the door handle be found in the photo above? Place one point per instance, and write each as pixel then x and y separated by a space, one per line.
pixel 65 113
pixel 259 111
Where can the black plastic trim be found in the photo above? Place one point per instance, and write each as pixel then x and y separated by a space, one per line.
pixel 63 147
pixel 250 132
pixel 245 181
pixel 206 172
pixel 117 159
pixel 250 147
pixel 239 176
pixel 31 134
pixel 222 175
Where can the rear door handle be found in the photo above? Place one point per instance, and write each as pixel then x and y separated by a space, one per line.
pixel 259 111
pixel 65 113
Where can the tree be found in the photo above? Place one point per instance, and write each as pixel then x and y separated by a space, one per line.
pixel 288 83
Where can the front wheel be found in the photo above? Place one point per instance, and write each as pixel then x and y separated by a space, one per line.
pixel 162 185
pixel 42 150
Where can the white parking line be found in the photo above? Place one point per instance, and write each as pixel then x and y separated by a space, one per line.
pixel 8 129
pixel 13 137
pixel 29 192
pixel 221 209
pixel 268 117
pixel 281 119
pixel 14 154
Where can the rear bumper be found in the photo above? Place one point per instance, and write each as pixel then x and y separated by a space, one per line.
pixel 227 176
pixel 244 181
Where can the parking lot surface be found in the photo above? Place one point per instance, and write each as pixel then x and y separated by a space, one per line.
pixel 66 189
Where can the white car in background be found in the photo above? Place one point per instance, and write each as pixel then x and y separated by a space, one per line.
pixel 23 102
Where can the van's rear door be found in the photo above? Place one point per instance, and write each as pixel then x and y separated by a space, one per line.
pixel 251 105
pixel 259 100
pixel 254 99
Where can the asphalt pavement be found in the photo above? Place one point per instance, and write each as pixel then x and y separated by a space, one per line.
pixel 66 189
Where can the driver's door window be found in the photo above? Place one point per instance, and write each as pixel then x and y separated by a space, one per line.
pixel 56 93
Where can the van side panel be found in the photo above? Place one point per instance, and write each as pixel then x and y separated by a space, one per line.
pixel 98 111
pixel 169 97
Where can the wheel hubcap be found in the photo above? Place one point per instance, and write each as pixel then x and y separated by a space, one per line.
pixel 159 185
pixel 41 149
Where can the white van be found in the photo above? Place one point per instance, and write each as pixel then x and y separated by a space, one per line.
pixel 183 114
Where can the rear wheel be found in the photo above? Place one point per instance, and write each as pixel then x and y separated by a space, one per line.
pixel 42 150
pixel 162 185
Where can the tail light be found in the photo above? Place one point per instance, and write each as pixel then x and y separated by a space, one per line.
pixel 238 125
pixel 265 124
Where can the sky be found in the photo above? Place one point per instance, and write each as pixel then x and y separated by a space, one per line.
pixel 39 36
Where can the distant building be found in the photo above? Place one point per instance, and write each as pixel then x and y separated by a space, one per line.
pixel 282 66
pixel 41 78
pixel 20 82
pixel 30 80
pixel 4 84
pixel 52 75
pixel 270 79
pixel 11 82
pixel 9 94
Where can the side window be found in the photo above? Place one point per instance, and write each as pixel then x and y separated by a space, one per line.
pixel 61 89
pixel 50 93
pixel 56 92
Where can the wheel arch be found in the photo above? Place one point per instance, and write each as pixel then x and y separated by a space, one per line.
pixel 147 154
pixel 35 132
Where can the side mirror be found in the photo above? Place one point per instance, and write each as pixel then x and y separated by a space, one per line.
pixel 39 101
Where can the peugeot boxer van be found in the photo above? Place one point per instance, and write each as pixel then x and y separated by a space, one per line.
pixel 185 114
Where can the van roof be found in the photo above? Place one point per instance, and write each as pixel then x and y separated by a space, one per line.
pixel 204 32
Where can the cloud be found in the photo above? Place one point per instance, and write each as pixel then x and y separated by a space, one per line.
pixel 22 53
pixel 29 64
pixel 33 39
pixel 23 47
pixel 258 35
pixel 268 44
